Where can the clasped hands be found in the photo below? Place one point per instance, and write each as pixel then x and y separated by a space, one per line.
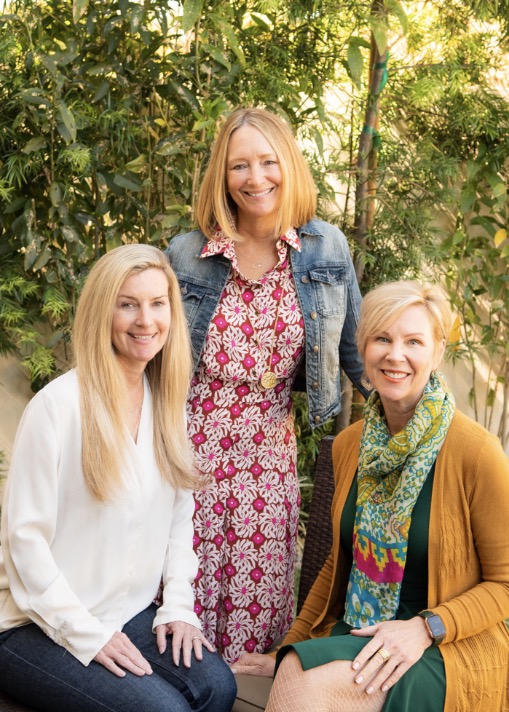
pixel 120 654
pixel 402 644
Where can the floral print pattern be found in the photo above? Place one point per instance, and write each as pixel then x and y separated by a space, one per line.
pixel 243 436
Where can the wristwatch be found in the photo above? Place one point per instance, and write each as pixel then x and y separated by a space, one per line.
pixel 435 626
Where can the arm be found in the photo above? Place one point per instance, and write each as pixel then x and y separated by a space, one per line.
pixel 30 520
pixel 176 616
pixel 350 360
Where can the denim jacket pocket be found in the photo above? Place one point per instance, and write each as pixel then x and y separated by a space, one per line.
pixel 330 289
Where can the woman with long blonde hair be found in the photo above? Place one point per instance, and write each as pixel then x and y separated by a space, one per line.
pixel 98 508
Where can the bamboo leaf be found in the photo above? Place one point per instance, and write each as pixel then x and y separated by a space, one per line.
pixel 67 119
pixel 192 12
pixel 79 8
pixel 35 144
pixel 355 63
pixel 379 29
pixel 500 236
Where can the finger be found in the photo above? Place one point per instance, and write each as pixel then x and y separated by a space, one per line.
pixel 367 653
pixel 396 675
pixel 161 638
pixel 370 668
pixel 197 643
pixel 176 644
pixel 109 664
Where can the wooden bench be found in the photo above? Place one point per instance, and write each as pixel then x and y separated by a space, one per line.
pixel 253 691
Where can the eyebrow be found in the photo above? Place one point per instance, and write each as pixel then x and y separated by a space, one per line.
pixel 234 159
pixel 128 296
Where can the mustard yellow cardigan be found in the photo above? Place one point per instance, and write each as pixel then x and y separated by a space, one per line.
pixel 468 563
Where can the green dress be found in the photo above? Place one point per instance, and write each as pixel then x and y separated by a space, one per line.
pixel 422 687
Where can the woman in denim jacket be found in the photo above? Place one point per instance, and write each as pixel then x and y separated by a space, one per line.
pixel 266 289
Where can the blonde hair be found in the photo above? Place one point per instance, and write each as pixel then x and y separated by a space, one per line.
pixel 215 207
pixel 102 382
pixel 384 304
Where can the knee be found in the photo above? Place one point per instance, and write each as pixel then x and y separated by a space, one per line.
pixel 219 681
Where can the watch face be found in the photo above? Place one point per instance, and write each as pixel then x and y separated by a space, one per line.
pixel 436 626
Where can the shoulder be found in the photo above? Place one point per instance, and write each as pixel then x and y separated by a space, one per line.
pixel 324 238
pixel 469 442
pixel 191 243
pixel 346 443
pixel 56 405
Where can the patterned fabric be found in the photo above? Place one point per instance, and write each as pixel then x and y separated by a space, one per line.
pixel 243 434
pixel 391 473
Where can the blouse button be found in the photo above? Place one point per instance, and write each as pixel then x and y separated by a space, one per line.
pixel 304 279
pixel 313 315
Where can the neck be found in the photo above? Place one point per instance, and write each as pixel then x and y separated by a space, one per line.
pixel 260 231
pixel 397 418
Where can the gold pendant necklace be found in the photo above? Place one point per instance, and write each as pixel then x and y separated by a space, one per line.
pixel 268 379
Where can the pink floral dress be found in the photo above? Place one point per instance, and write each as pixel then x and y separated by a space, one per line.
pixel 243 435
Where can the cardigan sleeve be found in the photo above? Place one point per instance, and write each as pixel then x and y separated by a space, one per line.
pixel 29 520
pixel 486 603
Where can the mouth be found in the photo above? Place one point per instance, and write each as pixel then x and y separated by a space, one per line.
pixel 142 338
pixel 259 194
pixel 395 375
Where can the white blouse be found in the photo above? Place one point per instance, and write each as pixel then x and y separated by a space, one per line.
pixel 78 568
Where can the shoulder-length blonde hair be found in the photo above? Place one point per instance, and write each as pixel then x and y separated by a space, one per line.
pixel 384 304
pixel 214 205
pixel 102 381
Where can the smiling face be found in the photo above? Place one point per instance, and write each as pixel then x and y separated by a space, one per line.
pixel 141 318
pixel 253 177
pixel 398 359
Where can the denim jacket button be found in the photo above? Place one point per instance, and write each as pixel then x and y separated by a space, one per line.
pixel 315 386
pixel 316 348
pixel 313 315
pixel 304 279
pixel 183 290
pixel 317 419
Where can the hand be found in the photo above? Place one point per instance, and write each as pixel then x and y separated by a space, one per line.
pixel 254 664
pixel 404 641
pixel 185 636
pixel 120 653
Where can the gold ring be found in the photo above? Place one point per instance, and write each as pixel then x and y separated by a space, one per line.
pixel 195 637
pixel 384 655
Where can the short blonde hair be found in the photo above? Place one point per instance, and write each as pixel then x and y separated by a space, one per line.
pixel 384 304
pixel 102 382
pixel 215 207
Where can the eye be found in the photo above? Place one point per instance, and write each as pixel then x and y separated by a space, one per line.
pixel 238 167
pixel 160 303
pixel 382 339
pixel 415 342
pixel 126 305
pixel 270 162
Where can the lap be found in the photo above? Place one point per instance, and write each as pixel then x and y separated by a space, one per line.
pixel 43 675
pixel 424 681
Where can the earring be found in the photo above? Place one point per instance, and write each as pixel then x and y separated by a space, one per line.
pixel 366 383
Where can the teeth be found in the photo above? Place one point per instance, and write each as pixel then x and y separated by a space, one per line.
pixel 259 195
pixel 397 375
pixel 142 338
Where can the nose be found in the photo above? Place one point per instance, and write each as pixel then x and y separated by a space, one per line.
pixel 144 315
pixel 255 174
pixel 395 351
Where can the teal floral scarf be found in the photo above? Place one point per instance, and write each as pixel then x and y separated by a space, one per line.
pixel 391 473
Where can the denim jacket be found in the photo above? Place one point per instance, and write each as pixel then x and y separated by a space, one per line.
pixel 329 298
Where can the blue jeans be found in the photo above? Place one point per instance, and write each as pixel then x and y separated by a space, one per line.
pixel 43 675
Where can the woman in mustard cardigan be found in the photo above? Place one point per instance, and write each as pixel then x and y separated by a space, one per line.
pixel 408 611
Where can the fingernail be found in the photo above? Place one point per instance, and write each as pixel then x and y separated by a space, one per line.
pixel 355 665
pixel 359 679
pixel 370 690
pixel 233 671
pixel 385 688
